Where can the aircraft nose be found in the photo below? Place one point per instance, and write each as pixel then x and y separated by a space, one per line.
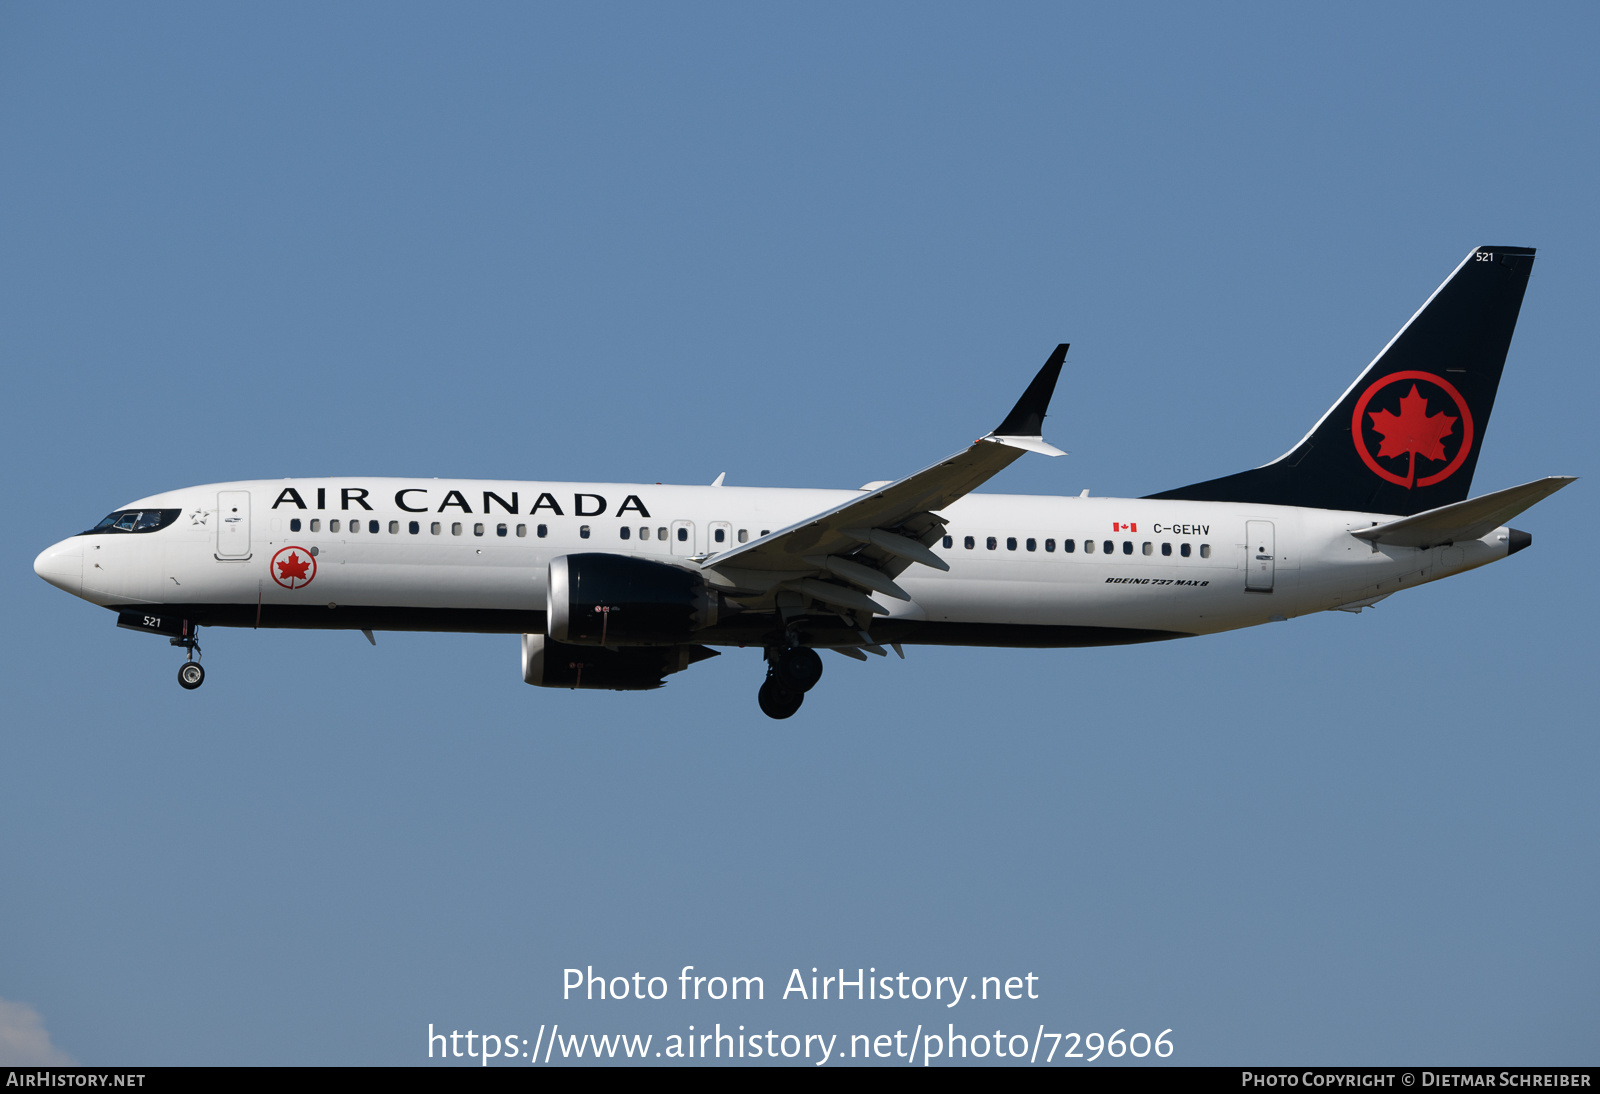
pixel 62 565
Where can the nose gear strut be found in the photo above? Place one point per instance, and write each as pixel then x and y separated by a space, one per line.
pixel 190 674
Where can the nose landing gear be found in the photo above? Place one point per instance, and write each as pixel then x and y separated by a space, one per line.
pixel 791 672
pixel 190 674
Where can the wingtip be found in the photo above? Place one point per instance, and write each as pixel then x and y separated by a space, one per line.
pixel 1027 417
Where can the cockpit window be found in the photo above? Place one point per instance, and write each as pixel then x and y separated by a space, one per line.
pixel 134 520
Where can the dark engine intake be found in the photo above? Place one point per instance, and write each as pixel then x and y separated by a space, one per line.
pixel 550 664
pixel 615 600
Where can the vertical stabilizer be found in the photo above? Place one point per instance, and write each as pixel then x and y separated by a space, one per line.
pixel 1405 436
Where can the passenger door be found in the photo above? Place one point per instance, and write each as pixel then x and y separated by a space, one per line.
pixel 1259 556
pixel 233 524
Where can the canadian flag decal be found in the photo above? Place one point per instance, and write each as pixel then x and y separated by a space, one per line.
pixel 1115 527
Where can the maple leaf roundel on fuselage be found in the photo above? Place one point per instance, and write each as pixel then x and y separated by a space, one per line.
pixel 1406 420
pixel 293 567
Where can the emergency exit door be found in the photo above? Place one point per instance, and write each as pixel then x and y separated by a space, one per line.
pixel 233 524
pixel 1259 552
pixel 683 542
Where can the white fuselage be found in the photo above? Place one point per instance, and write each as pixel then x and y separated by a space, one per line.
pixel 474 555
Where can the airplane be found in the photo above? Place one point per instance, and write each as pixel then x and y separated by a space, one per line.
pixel 619 585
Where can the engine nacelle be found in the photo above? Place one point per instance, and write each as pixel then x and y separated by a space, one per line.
pixel 550 664
pixel 616 600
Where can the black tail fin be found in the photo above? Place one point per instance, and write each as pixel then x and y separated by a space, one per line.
pixel 1405 437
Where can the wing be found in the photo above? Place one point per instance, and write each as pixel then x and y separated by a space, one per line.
pixel 836 558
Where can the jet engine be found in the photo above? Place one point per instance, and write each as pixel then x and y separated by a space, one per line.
pixel 616 600
pixel 550 664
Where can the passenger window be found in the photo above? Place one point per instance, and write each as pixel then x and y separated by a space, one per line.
pixel 1049 545
pixel 744 535
pixel 1070 545
pixel 1011 543
pixel 1032 545
pixel 435 527
pixel 333 526
pixel 414 528
pixel 1205 550
pixel 583 531
pixel 522 531
pixel 372 526
pixel 1166 548
pixel 1147 548
pixel 1088 546
pixel 542 531
pixel 683 535
pixel 1183 549
pixel 1127 546
pixel 644 533
pixel 477 529
pixel 316 525
pixel 661 533
pixel 624 531
pixel 455 529
pixel 991 543
pixel 394 527
pixel 500 530
pixel 1108 547
pixel 720 535
pixel 294 524
pixel 968 543
pixel 949 542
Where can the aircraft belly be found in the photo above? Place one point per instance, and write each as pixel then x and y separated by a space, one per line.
pixel 1089 597
pixel 446 576
pixel 418 585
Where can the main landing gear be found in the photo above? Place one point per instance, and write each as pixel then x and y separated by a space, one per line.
pixel 190 674
pixel 791 672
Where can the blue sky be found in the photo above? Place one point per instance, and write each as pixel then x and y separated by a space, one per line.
pixel 811 246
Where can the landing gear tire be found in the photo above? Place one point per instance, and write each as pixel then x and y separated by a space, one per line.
pixel 797 669
pixel 191 675
pixel 777 701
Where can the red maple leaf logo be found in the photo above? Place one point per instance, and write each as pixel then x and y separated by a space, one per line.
pixel 294 569
pixel 1413 431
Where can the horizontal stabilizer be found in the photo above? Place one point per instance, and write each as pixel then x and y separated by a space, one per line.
pixel 1465 520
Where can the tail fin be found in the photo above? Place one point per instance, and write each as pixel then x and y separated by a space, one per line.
pixel 1406 435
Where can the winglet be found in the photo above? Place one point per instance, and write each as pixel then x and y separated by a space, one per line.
pixel 1027 417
